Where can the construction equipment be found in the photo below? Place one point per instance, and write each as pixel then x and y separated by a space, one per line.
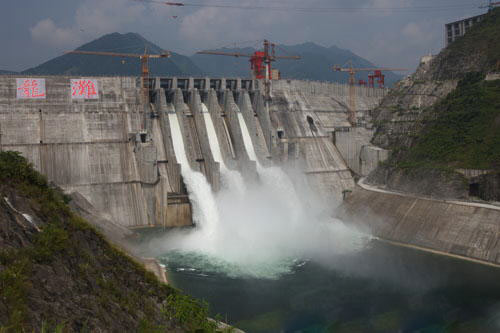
pixel 144 65
pixel 490 5
pixel 260 61
pixel 371 82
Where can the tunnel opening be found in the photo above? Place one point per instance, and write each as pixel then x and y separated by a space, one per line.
pixel 474 190
pixel 166 84
pixel 312 126
pixel 169 95
pixel 143 137
pixel 186 95
pixel 183 84
pixel 236 95
pixel 231 84
pixel 215 84
pixel 281 134
pixel 204 96
pixel 199 84
pixel 246 84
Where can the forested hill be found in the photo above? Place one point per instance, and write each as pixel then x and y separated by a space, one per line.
pixel 79 64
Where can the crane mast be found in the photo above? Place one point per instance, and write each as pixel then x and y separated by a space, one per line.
pixel 352 84
pixel 144 65
pixel 260 61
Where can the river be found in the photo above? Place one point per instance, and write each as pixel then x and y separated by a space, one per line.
pixel 381 288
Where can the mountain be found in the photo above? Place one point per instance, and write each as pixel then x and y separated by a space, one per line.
pixel 4 72
pixel 79 64
pixel 315 64
pixel 445 118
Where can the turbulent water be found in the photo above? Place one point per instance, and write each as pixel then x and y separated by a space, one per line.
pixel 256 229
pixel 200 193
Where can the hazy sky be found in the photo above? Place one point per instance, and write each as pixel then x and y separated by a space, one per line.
pixel 33 31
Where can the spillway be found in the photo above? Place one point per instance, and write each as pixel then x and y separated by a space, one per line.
pixel 205 211
pixel 230 179
pixel 274 178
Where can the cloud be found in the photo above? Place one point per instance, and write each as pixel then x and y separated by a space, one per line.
pixel 391 37
pixel 46 32
pixel 92 19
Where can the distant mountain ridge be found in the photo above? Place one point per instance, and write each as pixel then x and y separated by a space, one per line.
pixel 79 64
pixel 6 72
pixel 315 64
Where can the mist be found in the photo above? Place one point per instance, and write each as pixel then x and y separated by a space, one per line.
pixel 264 230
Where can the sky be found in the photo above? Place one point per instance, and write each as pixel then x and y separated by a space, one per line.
pixel 34 31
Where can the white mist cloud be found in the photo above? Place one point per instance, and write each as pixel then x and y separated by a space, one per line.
pixel 46 32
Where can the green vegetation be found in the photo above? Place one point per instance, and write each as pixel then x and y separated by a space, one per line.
pixel 65 241
pixel 477 50
pixel 461 131
pixel 266 322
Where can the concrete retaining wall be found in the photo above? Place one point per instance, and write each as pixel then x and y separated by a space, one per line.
pixel 457 229
pixel 354 146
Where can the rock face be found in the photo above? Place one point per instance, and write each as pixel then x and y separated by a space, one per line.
pixel 399 117
pixel 433 183
pixel 443 118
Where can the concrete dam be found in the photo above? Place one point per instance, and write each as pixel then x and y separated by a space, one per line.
pixel 159 165
pixel 126 158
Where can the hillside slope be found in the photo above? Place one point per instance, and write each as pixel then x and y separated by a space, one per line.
pixel 58 274
pixel 77 64
pixel 446 118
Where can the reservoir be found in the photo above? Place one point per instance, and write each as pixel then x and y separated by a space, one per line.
pixel 381 288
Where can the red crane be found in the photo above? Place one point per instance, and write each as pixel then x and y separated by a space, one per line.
pixel 352 83
pixel 259 60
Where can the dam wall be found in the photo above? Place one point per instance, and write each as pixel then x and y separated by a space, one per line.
pixel 307 117
pixel 117 151
pixel 458 229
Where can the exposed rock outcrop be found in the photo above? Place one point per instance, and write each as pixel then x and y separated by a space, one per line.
pixel 443 118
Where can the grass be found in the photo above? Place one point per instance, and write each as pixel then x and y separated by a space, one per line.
pixel 59 239
pixel 461 131
pixel 482 39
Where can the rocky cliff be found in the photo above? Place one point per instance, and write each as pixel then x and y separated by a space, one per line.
pixel 442 123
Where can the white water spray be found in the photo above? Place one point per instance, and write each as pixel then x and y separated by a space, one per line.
pixel 230 178
pixel 263 233
pixel 204 206
pixel 274 178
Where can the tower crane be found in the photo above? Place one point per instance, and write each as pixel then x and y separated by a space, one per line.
pixel 144 65
pixel 260 61
pixel 352 84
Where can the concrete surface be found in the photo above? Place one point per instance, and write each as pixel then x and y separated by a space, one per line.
pixel 118 154
pixel 461 229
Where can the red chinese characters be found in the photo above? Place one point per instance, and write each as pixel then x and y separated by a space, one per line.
pixel 84 89
pixel 30 88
